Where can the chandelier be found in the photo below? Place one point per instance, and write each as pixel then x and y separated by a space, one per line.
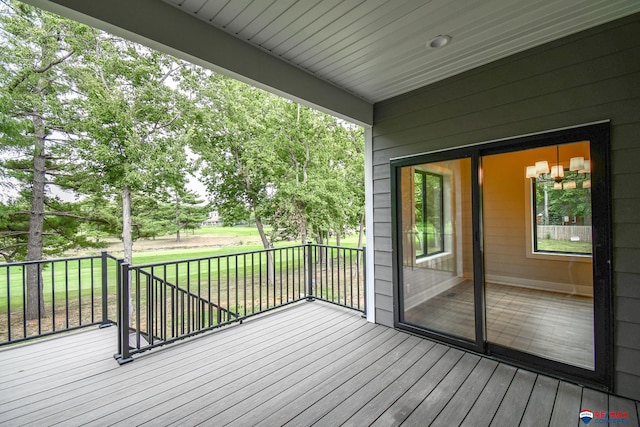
pixel 540 171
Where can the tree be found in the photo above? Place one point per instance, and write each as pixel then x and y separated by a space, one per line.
pixel 131 124
pixel 186 211
pixel 296 169
pixel 320 190
pixel 35 51
pixel 235 145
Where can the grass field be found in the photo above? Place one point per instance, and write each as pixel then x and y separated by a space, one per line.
pixel 72 288
pixel 564 246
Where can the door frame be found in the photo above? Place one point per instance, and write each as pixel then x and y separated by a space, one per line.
pixel 598 134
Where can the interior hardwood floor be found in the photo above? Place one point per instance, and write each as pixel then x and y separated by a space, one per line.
pixel 548 324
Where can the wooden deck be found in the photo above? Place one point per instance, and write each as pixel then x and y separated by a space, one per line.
pixel 310 364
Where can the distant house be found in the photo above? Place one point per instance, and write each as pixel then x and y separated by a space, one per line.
pixel 214 219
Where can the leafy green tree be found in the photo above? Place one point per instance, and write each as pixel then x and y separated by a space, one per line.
pixel 131 124
pixel 36 49
pixel 235 145
pixel 185 211
pixel 320 187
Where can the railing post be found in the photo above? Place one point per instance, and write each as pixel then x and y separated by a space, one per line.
pixel 309 271
pixel 123 315
pixel 105 290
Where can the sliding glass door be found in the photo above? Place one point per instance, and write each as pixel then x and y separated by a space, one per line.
pixel 538 252
pixel 437 264
pixel 505 249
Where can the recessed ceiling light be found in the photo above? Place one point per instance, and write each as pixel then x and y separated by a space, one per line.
pixel 440 41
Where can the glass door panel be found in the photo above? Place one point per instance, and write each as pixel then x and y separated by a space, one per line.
pixel 437 291
pixel 538 252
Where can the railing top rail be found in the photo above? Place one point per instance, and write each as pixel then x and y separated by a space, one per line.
pixel 46 261
pixel 108 255
pixel 351 248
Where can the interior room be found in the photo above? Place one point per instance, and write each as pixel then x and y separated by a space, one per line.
pixel 536 250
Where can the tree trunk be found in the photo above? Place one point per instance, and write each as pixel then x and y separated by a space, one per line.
pixel 266 244
pixel 360 236
pixel 361 231
pixel 35 297
pixel 177 219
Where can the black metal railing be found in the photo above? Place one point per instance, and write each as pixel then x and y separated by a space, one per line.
pixel 169 301
pixel 155 304
pixel 40 298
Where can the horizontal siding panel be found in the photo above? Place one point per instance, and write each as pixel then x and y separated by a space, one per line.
pixel 383 258
pixel 584 47
pixel 627 385
pixel 624 161
pixel 381 215
pixel 625 212
pixel 385 302
pixel 382 243
pixel 381 186
pixel 382 229
pixel 383 273
pixel 625 136
pixel 628 335
pixel 627 235
pixel 384 317
pixel 382 200
pixel 381 172
pixel 627 361
pixel 627 310
pixel 566 92
pixel 384 287
pixel 625 260
pixel 625 186
pixel 601 73
pixel 594 103
pixel 627 285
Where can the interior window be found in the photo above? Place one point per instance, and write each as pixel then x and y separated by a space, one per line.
pixel 561 204
pixel 429 215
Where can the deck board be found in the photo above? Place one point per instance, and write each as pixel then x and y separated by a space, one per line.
pixel 308 364
pixel 454 412
pixel 487 404
pixel 413 397
pixel 515 400
pixel 385 398
pixel 567 405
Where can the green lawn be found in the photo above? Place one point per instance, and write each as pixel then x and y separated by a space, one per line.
pixel 564 246
pixel 77 278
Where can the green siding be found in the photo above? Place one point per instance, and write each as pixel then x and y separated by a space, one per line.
pixel 587 77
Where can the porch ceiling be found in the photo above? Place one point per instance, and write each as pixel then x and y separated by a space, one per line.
pixel 343 55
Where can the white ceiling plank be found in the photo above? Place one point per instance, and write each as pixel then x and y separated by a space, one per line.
pixel 230 12
pixel 292 22
pixel 314 29
pixel 362 29
pixel 146 22
pixel 276 9
pixel 374 49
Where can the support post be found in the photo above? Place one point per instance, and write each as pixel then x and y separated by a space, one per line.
pixel 309 272
pixel 123 316
pixel 364 279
